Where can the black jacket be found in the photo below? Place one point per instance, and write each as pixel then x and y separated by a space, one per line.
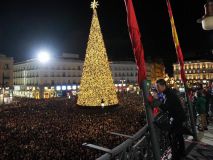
pixel 172 104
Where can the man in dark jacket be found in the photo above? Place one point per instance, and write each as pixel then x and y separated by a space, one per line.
pixel 172 105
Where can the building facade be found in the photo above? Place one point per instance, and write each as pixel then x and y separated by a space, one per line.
pixel 6 78
pixel 61 76
pixel 197 72
pixel 6 71
pixel 157 72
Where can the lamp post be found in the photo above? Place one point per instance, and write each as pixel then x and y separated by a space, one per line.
pixel 43 57
pixel 3 90
pixel 122 84
pixel 102 106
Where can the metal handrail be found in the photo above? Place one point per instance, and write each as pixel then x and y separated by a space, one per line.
pixel 120 148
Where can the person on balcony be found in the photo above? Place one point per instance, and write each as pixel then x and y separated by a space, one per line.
pixel 172 105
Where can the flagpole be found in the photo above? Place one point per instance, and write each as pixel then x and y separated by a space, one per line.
pixel 137 46
pixel 182 72
pixel 150 119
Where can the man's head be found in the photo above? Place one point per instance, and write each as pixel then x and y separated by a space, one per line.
pixel 161 85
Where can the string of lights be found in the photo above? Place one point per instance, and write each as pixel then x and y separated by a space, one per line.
pixel 96 84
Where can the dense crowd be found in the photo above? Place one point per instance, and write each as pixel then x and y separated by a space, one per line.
pixel 202 103
pixel 57 128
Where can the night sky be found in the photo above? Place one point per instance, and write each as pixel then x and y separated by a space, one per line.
pixel 63 26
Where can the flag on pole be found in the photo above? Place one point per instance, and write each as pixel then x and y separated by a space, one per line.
pixel 176 42
pixel 135 37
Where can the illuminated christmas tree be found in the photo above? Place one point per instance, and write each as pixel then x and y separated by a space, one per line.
pixel 96 85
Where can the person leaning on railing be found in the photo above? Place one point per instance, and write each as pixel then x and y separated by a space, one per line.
pixel 171 104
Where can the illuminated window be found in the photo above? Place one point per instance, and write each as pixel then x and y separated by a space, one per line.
pixel 58 88
pixel 64 88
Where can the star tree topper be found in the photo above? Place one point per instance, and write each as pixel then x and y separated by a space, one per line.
pixel 94 4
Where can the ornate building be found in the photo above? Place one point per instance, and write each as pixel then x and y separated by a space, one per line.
pixel 61 76
pixel 197 72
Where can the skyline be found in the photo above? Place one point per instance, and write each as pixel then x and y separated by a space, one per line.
pixel 63 26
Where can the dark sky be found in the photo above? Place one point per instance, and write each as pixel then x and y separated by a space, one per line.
pixel 63 26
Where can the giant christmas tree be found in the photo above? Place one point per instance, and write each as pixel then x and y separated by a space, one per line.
pixel 96 85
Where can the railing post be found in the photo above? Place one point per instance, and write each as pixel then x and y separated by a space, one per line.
pixel 191 113
pixel 149 117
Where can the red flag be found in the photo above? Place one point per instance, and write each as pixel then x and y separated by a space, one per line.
pixel 135 37
pixel 176 42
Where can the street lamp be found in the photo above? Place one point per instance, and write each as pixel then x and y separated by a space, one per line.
pixel 3 89
pixel 207 19
pixel 102 106
pixel 43 56
pixel 122 84
pixel 166 78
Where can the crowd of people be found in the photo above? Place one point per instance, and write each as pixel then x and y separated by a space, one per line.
pixel 57 128
pixel 202 102
pixel 172 110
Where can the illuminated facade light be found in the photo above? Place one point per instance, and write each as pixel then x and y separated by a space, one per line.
pixel 43 56
pixel 63 88
pixel 69 88
pixel 58 88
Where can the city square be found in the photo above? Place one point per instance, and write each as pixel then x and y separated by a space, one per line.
pixel 106 80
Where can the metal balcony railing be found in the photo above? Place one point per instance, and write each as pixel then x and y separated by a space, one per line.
pixel 136 147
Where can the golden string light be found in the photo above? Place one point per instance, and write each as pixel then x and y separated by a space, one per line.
pixel 96 81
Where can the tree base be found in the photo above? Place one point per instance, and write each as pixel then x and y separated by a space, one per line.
pixel 98 107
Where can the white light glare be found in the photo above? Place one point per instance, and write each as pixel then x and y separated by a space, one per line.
pixel 43 56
